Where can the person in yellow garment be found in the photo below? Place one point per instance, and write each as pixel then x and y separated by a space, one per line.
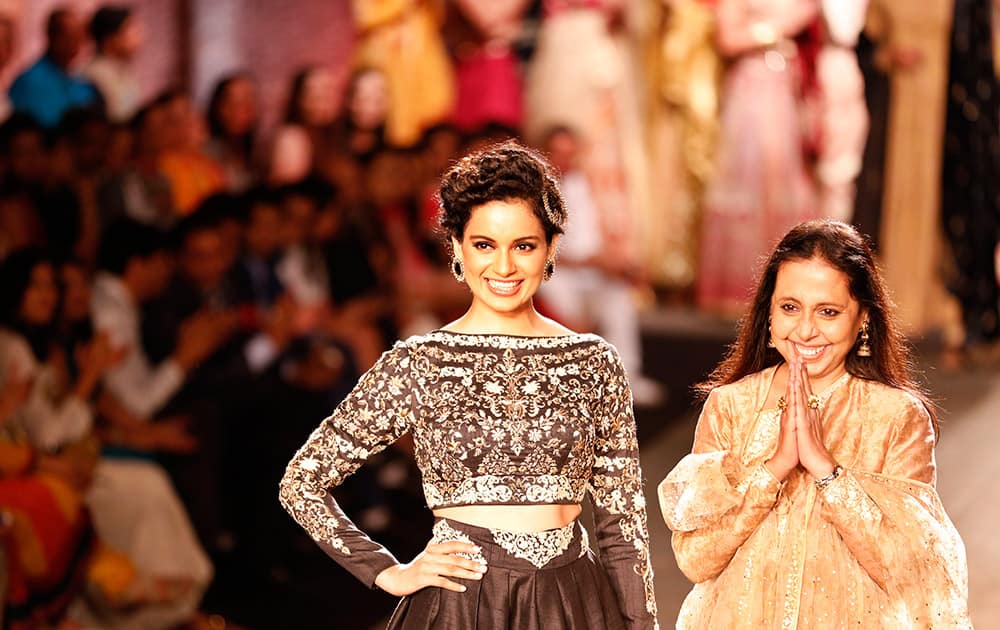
pixel 515 419
pixel 808 499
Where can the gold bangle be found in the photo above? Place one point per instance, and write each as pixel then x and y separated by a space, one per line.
pixel 825 481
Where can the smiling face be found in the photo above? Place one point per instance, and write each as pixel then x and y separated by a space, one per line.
pixel 504 252
pixel 814 316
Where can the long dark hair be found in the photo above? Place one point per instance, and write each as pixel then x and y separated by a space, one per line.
pixel 845 249
pixel 215 126
pixel 15 278
pixel 293 108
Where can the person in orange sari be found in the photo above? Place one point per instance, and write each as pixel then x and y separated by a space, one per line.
pixel 192 173
pixel 808 500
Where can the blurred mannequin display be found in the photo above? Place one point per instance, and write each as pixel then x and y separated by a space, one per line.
pixel 761 186
pixel 913 48
pixel 402 39
pixel 843 116
pixel 593 89
pixel 481 37
pixel 970 199
pixel 682 112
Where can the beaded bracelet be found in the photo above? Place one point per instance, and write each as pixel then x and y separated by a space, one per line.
pixel 825 481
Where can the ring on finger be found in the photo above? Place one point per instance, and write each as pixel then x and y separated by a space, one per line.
pixel 814 402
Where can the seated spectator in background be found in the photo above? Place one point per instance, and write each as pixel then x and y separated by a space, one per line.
pixel 120 430
pixel 201 286
pixel 192 173
pixel 359 131
pixel 47 537
pixel 141 192
pixel 311 227
pixel 135 511
pixel 254 279
pixel 28 173
pixel 77 161
pixel 222 393
pixel 117 36
pixel 592 286
pixel 232 126
pixel 49 87
pixel 135 269
pixel 300 144
pixel 19 223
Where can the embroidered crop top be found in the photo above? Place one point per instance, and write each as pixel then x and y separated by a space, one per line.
pixel 496 420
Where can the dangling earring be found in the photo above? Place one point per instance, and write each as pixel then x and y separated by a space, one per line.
pixel 770 339
pixel 457 269
pixel 864 350
pixel 550 268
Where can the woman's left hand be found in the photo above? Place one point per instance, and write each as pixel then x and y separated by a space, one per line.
pixel 809 426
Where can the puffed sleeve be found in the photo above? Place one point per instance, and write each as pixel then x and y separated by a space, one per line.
pixel 710 501
pixel 895 526
pixel 619 503
pixel 375 414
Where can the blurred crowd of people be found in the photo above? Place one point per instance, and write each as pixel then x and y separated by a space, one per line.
pixel 184 295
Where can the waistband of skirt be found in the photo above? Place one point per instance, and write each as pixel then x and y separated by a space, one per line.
pixel 526 551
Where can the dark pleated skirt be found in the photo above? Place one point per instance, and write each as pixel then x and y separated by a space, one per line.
pixel 570 591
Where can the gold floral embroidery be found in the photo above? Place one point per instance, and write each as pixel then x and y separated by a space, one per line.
pixel 538 548
pixel 496 420
pixel 443 532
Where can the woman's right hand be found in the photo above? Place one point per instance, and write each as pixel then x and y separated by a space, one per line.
pixel 786 457
pixel 432 567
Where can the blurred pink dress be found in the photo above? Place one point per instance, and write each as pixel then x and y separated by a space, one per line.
pixel 761 187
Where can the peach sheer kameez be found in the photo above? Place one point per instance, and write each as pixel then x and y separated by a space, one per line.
pixel 874 549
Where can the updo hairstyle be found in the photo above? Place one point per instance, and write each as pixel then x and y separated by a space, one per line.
pixel 502 172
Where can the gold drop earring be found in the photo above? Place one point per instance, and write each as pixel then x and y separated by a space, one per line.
pixel 865 349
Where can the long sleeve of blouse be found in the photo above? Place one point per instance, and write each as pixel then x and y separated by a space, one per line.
pixel 619 504
pixel 374 415
pixel 712 519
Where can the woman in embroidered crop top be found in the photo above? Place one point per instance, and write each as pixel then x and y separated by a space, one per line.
pixel 515 418
pixel 808 500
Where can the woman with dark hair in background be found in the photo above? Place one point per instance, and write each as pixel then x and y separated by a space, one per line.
pixel 232 126
pixel 300 143
pixel 514 418
pixel 809 495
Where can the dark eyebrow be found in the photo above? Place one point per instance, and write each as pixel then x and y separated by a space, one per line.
pixel 820 305
pixel 480 237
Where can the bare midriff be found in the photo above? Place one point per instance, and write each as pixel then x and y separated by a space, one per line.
pixel 515 518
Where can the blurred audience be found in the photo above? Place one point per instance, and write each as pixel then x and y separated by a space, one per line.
pixel 299 143
pixel 51 85
pixel 232 127
pixel 117 36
